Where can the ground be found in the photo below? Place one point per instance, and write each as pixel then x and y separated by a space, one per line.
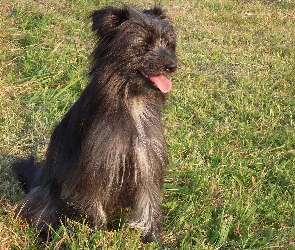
pixel 229 119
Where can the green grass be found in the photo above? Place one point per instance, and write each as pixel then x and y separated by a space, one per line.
pixel 230 119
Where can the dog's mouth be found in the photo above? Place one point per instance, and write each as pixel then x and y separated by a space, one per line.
pixel 160 82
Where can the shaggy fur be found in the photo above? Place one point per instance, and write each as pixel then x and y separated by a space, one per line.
pixel 109 151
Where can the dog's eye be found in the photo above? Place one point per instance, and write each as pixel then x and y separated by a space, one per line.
pixel 169 40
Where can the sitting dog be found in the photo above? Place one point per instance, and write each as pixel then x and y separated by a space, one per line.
pixel 109 150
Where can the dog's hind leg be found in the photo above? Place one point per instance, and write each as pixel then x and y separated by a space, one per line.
pixel 42 210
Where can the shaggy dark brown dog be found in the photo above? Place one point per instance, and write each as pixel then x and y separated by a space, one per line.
pixel 109 151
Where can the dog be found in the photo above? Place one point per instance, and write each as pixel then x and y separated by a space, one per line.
pixel 109 152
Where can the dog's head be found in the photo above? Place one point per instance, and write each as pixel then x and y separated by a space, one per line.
pixel 140 44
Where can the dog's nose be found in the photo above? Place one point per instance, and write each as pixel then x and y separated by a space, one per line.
pixel 171 67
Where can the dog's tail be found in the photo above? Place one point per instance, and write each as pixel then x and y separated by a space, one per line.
pixel 25 172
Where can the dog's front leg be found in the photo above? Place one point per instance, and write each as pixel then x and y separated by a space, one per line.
pixel 98 217
pixel 148 212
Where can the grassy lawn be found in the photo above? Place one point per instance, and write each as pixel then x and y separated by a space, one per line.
pixel 230 119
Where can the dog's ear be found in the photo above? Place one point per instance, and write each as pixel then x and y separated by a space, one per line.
pixel 107 19
pixel 157 11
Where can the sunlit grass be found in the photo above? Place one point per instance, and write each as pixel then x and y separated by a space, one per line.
pixel 229 119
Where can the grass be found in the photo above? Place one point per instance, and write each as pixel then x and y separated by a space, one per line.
pixel 230 120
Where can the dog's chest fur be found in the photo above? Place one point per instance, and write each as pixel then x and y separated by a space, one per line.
pixel 128 153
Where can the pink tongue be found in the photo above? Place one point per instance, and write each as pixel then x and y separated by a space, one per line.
pixel 161 82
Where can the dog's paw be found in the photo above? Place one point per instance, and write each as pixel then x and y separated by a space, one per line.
pixel 152 236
